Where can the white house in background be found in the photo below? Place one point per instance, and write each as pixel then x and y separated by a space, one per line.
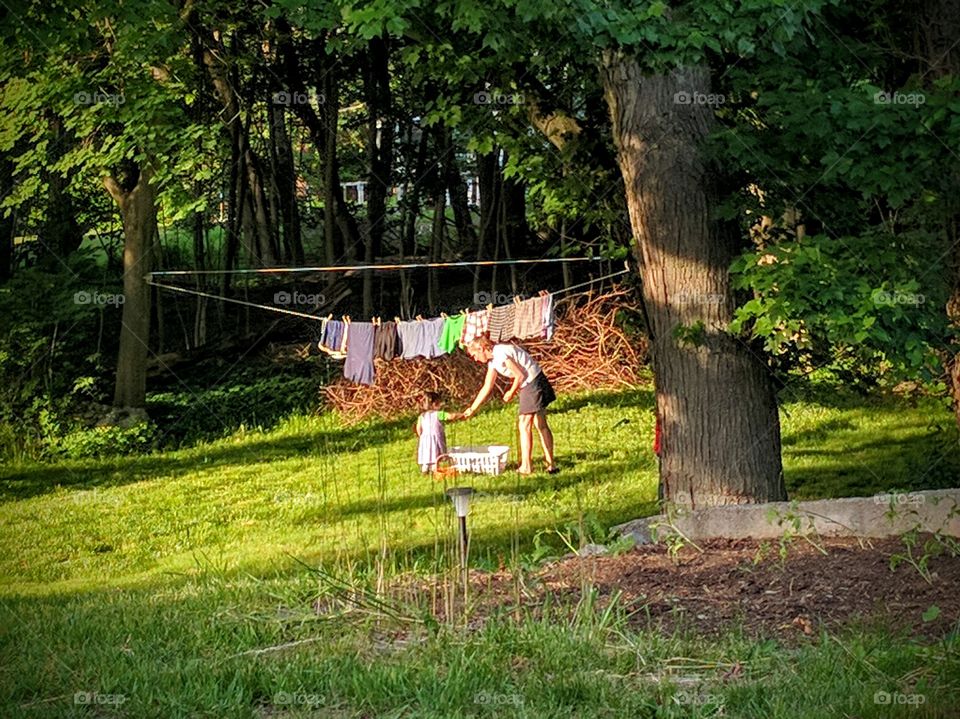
pixel 357 191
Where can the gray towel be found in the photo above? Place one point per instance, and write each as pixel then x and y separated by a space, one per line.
pixel 419 338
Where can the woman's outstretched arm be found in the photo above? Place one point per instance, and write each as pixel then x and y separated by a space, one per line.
pixel 484 392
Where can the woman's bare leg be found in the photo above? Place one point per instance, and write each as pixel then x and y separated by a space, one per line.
pixel 525 424
pixel 546 436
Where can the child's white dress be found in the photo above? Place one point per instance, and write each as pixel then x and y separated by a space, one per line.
pixel 433 440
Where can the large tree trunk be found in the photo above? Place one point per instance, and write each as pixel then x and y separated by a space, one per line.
pixel 715 397
pixel 138 209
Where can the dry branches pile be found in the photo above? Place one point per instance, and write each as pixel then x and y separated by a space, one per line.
pixel 589 350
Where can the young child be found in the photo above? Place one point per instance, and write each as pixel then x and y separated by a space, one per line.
pixel 433 439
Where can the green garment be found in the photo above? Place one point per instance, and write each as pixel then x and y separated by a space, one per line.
pixel 451 333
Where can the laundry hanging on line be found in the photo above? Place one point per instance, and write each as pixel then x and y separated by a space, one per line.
pixel 360 343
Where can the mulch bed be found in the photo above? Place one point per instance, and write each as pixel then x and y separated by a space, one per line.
pixel 726 587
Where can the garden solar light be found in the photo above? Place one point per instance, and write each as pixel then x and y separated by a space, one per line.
pixel 461 504
pixel 461 499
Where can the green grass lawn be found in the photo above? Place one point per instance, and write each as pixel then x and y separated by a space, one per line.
pixel 148 577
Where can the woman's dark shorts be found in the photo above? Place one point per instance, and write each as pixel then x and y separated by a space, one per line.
pixel 537 395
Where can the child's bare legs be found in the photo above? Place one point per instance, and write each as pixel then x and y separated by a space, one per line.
pixel 525 424
pixel 546 437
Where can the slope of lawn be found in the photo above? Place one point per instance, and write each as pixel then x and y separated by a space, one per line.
pixel 149 577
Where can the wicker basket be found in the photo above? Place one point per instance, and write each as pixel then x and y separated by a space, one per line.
pixel 480 459
pixel 445 468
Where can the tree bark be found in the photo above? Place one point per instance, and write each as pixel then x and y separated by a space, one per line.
pixel 488 175
pixel 457 188
pixel 341 232
pixel 514 197
pixel 408 240
pixel 715 397
pixel 285 177
pixel 256 220
pixel 376 90
pixel 138 210
pixel 232 229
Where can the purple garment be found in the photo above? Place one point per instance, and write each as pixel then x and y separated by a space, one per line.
pixel 359 364
pixel 332 336
pixel 433 440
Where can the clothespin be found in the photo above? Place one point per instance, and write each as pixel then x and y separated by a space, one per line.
pixel 490 307
pixel 419 318
pixel 329 316
pixel 397 320
pixel 444 315
pixel 516 299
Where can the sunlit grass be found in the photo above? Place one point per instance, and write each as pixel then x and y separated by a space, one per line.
pixel 147 576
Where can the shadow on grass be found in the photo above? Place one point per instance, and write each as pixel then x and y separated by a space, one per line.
pixel 37 479
pixel 638 397
pixel 816 466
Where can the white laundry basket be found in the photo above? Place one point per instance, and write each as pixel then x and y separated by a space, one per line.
pixel 480 459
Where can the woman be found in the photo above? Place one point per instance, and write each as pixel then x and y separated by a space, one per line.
pixel 533 387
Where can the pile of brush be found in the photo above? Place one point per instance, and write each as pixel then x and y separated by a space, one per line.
pixel 592 348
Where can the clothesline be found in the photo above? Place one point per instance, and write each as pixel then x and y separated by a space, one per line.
pixel 360 343
pixel 306 315
pixel 356 268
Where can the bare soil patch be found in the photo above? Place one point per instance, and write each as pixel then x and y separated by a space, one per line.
pixel 744 583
